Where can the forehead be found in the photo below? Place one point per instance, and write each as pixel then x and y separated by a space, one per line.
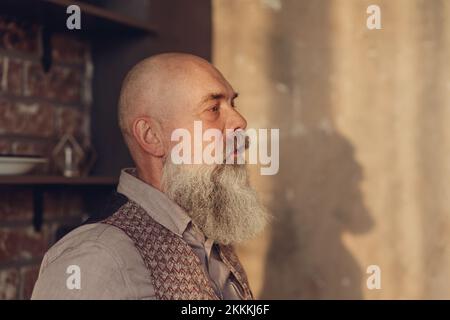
pixel 185 90
pixel 208 80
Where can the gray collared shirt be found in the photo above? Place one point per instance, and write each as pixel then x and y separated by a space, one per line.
pixel 109 265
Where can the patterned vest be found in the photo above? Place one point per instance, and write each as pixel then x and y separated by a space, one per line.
pixel 175 270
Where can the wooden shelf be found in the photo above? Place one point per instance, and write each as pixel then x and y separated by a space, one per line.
pixel 101 13
pixel 40 184
pixel 35 180
pixel 94 19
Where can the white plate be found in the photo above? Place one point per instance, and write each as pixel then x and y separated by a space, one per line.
pixel 18 165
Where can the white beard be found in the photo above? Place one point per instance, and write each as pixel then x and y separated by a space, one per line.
pixel 218 198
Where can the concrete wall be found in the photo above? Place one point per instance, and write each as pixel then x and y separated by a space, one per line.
pixel 364 170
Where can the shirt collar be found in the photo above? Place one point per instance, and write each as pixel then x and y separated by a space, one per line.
pixel 162 209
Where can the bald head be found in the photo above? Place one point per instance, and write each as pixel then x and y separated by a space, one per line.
pixel 155 86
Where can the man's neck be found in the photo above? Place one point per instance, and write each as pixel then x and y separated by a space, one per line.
pixel 149 178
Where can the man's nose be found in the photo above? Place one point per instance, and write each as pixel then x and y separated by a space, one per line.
pixel 236 121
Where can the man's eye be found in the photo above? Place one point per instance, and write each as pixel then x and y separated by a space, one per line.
pixel 214 109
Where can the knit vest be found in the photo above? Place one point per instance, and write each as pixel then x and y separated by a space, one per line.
pixel 176 271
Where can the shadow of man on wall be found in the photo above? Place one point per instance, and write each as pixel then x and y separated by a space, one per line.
pixel 317 195
pixel 318 198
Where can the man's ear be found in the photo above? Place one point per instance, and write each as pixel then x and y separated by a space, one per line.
pixel 148 134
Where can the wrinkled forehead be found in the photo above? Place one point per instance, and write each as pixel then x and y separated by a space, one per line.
pixel 197 81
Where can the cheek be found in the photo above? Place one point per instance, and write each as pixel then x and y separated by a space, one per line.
pixel 217 123
pixel 193 128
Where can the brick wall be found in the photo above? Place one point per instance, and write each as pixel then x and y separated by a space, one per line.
pixel 21 247
pixel 37 108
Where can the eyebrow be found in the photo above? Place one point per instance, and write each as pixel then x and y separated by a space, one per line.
pixel 217 96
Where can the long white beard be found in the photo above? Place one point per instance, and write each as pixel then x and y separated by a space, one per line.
pixel 218 198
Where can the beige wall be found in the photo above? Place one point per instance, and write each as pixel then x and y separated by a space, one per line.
pixel 364 158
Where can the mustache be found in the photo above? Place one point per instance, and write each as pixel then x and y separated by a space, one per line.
pixel 239 142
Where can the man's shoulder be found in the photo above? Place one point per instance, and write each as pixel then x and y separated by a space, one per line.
pixel 99 235
pixel 109 264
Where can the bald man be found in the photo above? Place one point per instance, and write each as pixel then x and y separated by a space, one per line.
pixel 169 231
